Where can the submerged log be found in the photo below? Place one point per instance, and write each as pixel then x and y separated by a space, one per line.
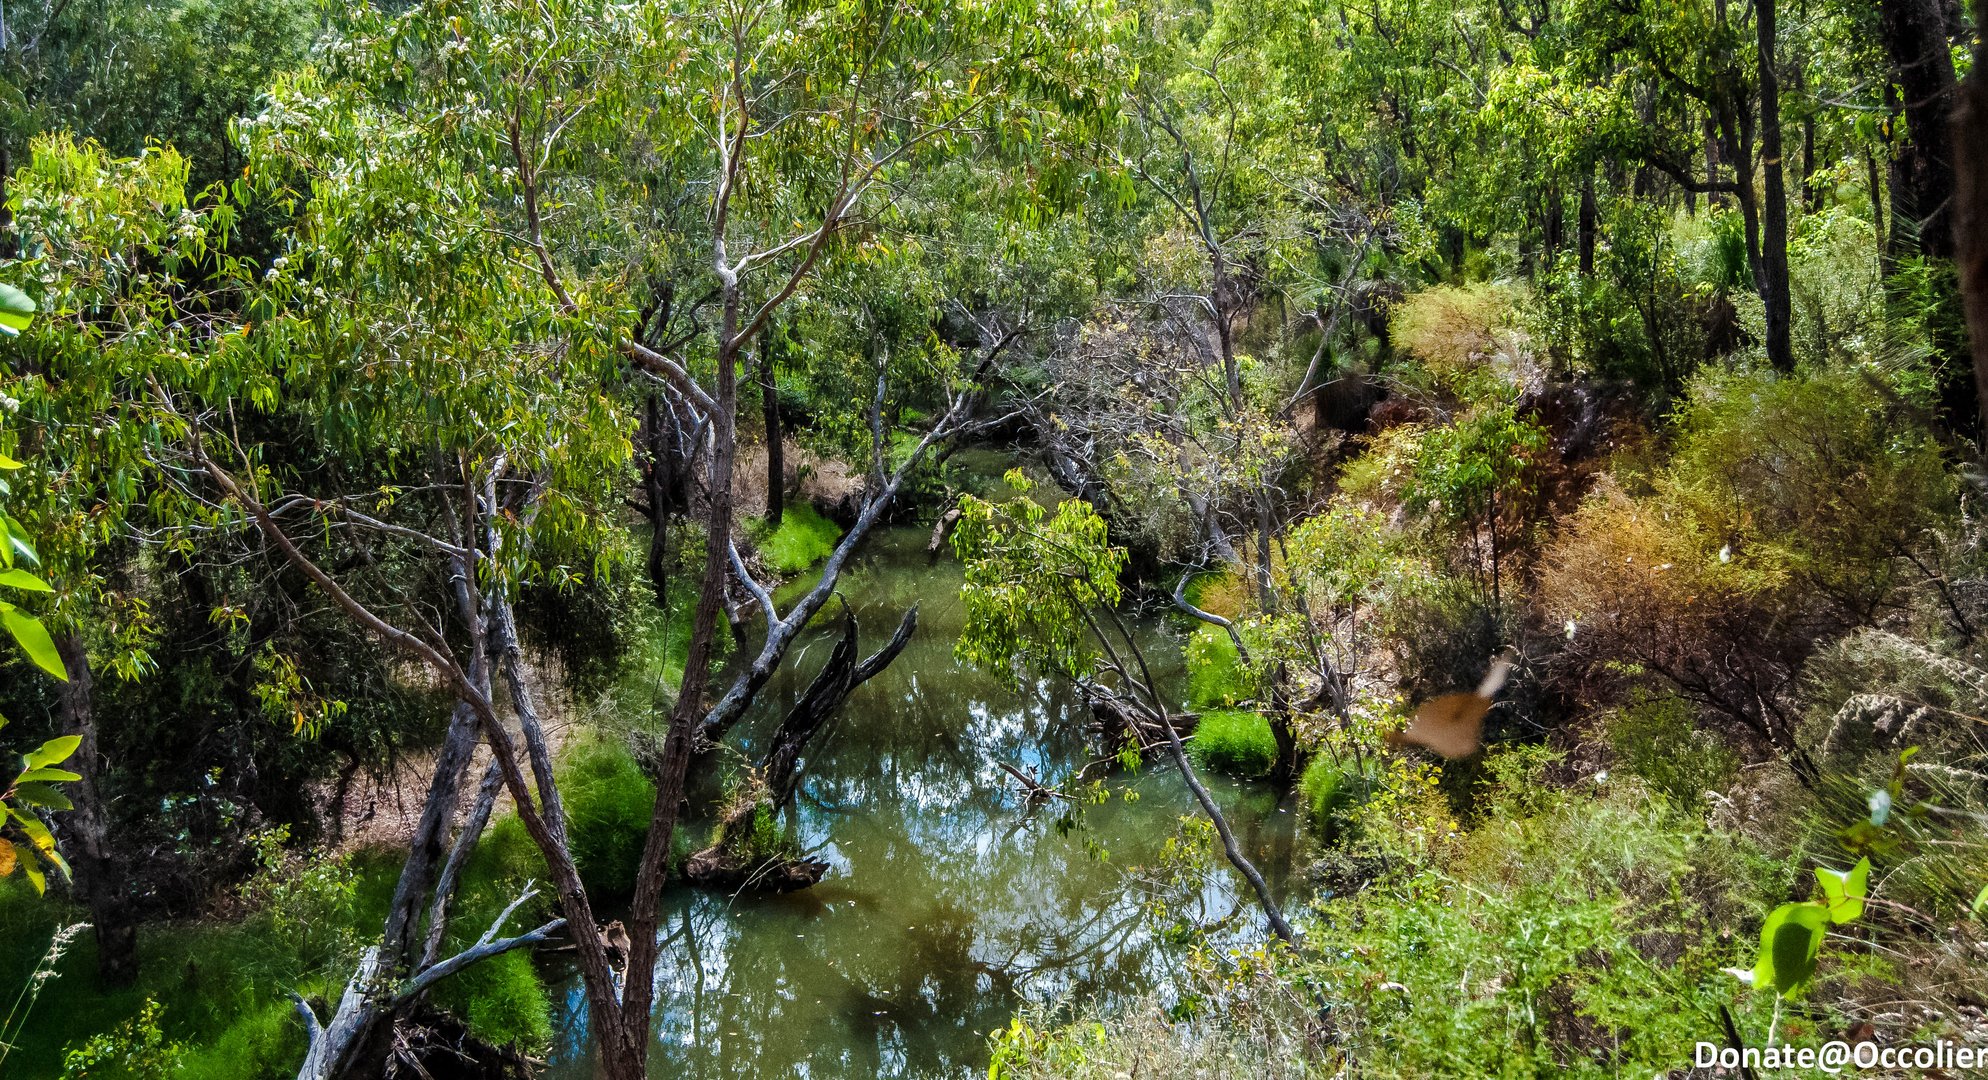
pixel 728 864
pixel 1119 721
pixel 729 871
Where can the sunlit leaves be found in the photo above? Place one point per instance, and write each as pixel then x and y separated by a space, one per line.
pixel 25 842
pixel 1034 581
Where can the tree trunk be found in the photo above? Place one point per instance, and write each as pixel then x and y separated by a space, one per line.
pixel 623 1025
pixel 347 1044
pixel 1970 217
pixel 1922 172
pixel 99 882
pixel 663 486
pixel 1279 716
pixel 1774 213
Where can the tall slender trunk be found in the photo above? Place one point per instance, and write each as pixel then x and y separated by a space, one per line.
pixel 1774 211
pixel 624 1025
pixel 1970 217
pixel 1915 39
pixel 1588 225
pixel 351 1039
pixel 662 486
pixel 1876 189
pixel 98 880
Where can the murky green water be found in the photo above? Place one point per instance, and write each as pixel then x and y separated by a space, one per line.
pixel 949 903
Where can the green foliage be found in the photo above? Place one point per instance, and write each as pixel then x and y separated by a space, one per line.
pixel 1465 336
pixel 608 805
pixel 1582 937
pixel 137 1050
pixel 1032 582
pixel 502 1001
pixel 1467 469
pixel 1822 477
pixel 1235 742
pixel 1215 674
pixel 1325 791
pixel 803 539
pixel 1792 934
pixel 767 837
pixel 1658 739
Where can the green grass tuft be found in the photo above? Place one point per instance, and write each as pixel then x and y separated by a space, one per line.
pixel 1234 742
pixel 608 803
pixel 803 539
pixel 1215 675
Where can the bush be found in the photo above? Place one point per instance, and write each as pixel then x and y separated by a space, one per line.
pixel 1657 738
pixel 803 539
pixel 1456 331
pixel 1234 742
pixel 608 806
pixel 1823 477
pixel 1583 938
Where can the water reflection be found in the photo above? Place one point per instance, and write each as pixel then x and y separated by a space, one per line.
pixel 948 903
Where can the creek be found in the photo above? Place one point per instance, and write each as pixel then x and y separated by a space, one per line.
pixel 949 904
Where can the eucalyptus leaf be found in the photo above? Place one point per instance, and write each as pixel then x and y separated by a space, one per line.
pixel 1789 941
pixel 33 638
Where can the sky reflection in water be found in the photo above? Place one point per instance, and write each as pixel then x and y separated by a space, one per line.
pixel 948 904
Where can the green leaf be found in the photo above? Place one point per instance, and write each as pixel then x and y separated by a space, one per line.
pixel 42 795
pixel 25 859
pixel 54 751
pixel 24 581
pixel 1980 907
pixel 1843 893
pixel 16 310
pixel 17 542
pixel 9 464
pixel 46 775
pixel 1789 941
pixel 34 640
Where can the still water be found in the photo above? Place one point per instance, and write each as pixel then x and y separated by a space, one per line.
pixel 949 904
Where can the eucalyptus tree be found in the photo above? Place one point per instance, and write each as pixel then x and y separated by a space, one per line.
pixel 1042 594
pixel 112 249
pixel 1723 59
pixel 476 270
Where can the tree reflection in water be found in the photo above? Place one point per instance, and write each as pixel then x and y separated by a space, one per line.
pixel 948 903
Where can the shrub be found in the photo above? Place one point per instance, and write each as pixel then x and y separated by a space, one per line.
pixel 803 539
pixel 1234 742
pixel 1583 938
pixel 608 805
pixel 1823 476
pixel 1455 330
pixel 1385 473
pixel 1657 738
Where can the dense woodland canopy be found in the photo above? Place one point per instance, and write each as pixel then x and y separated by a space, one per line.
pixel 433 433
